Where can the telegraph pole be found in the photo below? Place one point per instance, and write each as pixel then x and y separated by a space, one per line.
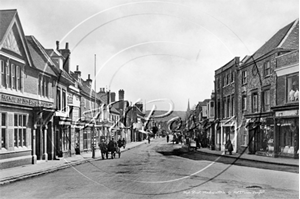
pixel 93 137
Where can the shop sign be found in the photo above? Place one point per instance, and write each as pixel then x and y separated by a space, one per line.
pixel 24 101
pixel 287 113
pixel 70 99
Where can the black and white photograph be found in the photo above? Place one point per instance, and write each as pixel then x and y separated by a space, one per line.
pixel 149 99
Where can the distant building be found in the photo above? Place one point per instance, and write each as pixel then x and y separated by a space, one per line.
pixel 226 96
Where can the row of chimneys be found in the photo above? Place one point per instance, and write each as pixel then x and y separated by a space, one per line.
pixel 66 66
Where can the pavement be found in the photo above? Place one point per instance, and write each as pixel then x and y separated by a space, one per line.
pixel 256 158
pixel 42 167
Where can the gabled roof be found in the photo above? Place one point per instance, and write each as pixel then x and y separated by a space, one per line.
pixel 283 35
pixel 291 41
pixel 11 31
pixel 6 17
pixel 61 73
pixel 40 58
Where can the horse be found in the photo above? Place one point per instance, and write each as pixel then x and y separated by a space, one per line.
pixel 113 149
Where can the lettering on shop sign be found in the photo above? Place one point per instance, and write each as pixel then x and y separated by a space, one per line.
pixel 287 113
pixel 70 98
pixel 24 101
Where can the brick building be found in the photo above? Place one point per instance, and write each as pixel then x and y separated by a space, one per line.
pixel 225 104
pixel 286 111
pixel 257 90
pixel 27 98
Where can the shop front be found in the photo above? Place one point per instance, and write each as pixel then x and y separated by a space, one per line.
pixel 228 131
pixel 287 133
pixel 261 136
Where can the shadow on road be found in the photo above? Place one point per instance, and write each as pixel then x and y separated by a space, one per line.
pixel 175 150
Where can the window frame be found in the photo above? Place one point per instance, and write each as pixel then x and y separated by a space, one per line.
pixel 20 128
pixel 290 86
pixel 254 102
pixel 3 73
pixel 3 130
pixel 266 107
pixel 267 74
pixel 244 77
pixel 244 102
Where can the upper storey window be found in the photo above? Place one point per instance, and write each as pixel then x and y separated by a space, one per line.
pixel 11 75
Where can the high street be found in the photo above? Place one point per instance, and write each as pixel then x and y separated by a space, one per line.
pixel 158 170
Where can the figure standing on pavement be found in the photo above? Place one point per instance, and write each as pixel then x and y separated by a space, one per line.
pixel 168 138
pixel 228 147
pixel 120 144
pixel 148 139
pixel 124 143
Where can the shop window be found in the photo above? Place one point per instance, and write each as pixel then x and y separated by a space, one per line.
pixel 65 139
pixel 3 73
pixel 244 77
pixel 267 69
pixel 3 129
pixel 254 103
pixel 266 100
pixel 266 137
pixel 293 88
pixel 288 136
pixel 20 123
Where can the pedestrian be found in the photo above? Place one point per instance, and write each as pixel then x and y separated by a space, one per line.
pixel 148 139
pixel 120 143
pixel 197 142
pixel 124 143
pixel 168 138
pixel 228 147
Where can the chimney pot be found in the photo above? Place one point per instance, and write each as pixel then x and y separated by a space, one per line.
pixel 77 67
pixel 89 76
pixel 67 45
pixel 57 45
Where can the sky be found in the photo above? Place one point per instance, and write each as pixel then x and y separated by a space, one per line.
pixel 165 50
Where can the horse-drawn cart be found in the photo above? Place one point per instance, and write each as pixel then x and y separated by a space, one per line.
pixel 109 148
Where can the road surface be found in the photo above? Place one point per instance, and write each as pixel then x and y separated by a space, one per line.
pixel 154 171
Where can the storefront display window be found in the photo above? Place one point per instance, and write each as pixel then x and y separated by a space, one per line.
pixel 288 137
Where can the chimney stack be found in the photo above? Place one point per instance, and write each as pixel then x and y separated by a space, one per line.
pixel 77 73
pixel 66 54
pixel 89 80
pixel 112 97
pixel 57 45
pixel 121 97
